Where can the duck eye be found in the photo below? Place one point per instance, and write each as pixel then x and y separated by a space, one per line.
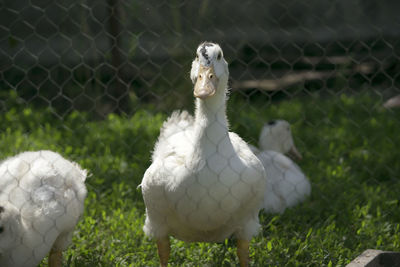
pixel 219 56
pixel 1 229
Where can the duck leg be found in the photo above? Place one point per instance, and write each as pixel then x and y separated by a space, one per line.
pixel 243 252
pixel 164 249
pixel 55 258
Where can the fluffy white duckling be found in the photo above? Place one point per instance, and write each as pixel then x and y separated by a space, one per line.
pixel 204 183
pixel 286 184
pixel 41 200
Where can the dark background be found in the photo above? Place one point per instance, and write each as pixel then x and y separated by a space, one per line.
pixel 115 55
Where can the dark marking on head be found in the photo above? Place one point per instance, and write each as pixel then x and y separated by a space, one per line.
pixel 1 229
pixel 1 209
pixel 203 51
pixel 208 44
pixel 273 122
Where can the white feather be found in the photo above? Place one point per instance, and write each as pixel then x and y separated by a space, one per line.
pixel 42 197
pixel 286 183
pixel 204 183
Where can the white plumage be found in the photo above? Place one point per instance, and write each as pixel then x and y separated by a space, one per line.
pixel 286 184
pixel 204 183
pixel 41 199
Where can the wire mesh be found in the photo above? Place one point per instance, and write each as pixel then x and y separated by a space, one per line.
pixel 87 64
pixel 101 56
pixel 41 198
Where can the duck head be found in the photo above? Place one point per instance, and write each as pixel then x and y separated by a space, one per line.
pixel 209 71
pixel 276 135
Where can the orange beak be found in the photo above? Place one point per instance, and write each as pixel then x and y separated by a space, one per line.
pixel 206 84
pixel 295 154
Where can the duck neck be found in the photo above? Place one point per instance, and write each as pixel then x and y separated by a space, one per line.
pixel 211 124
pixel 271 143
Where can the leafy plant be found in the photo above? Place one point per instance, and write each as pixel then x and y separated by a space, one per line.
pixel 348 146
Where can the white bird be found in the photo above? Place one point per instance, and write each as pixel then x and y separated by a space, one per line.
pixel 41 199
pixel 204 183
pixel 286 184
pixel 393 102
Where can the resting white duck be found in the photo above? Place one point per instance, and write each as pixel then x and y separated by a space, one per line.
pixel 204 183
pixel 286 184
pixel 41 200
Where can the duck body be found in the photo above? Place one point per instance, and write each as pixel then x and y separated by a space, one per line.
pixel 41 200
pixel 287 185
pixel 204 183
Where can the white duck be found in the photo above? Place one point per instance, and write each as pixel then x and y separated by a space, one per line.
pixel 204 183
pixel 41 200
pixel 286 184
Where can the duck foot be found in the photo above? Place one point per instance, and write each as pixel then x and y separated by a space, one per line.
pixel 243 252
pixel 164 248
pixel 55 258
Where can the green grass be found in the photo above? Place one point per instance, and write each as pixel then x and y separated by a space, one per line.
pixel 350 155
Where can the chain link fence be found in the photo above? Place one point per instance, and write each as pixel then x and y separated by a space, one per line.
pixel 306 61
pixel 101 57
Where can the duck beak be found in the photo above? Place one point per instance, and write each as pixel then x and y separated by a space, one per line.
pixel 295 154
pixel 206 83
